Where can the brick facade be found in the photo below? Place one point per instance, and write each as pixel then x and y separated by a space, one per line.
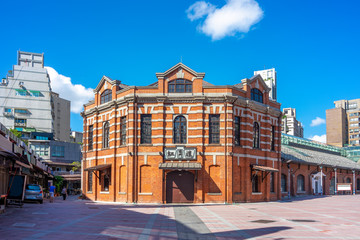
pixel 226 173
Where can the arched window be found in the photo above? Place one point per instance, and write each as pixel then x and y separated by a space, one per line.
pixel 300 183
pixel 256 95
pixel 256 135
pixel 255 183
pixel 105 140
pixel 283 183
pixel 180 86
pixel 348 180
pixel 358 184
pixel 106 96
pixel 179 130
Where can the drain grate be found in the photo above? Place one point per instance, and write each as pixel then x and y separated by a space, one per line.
pixel 263 221
pixel 301 220
pixel 93 207
pixel 253 208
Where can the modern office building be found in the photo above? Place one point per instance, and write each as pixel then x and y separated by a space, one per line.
pixel 76 137
pixel 343 123
pixel 269 77
pixel 182 140
pixel 290 125
pixel 27 102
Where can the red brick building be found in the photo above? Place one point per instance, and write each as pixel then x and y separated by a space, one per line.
pixel 182 139
pixel 310 167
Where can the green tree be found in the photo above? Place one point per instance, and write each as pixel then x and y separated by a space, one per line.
pixel 58 183
pixel 76 166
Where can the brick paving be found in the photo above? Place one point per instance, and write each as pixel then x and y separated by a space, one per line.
pixel 329 217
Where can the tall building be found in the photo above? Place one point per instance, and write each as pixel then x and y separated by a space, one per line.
pixel 269 76
pixel 27 102
pixel 62 118
pixel 182 139
pixel 343 123
pixel 290 125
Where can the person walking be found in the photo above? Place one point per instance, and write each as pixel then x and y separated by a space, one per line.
pixel 52 192
pixel 64 193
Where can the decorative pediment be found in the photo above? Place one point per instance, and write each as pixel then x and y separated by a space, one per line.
pixel 258 81
pixel 104 81
pixel 179 68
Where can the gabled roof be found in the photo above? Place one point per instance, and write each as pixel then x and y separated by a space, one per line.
pixel 260 80
pixel 308 156
pixel 182 66
pixel 107 79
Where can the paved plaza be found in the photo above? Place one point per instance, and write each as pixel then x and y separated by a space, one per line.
pixel 328 217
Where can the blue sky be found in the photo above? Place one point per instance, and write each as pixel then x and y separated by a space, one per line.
pixel 314 45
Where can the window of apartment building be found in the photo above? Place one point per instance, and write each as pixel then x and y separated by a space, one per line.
pixel 300 183
pixel 354 125
pixel 272 138
pixel 90 137
pixel 256 95
pixel 105 179
pixel 179 130
pixel 256 135
pixel 90 181
pixel 145 137
pixel 354 119
pixel 272 182
pixel 106 131
pixel 237 131
pixel 255 183
pixel 283 183
pixel 7 110
pixel 106 96
pixel 21 111
pixel 58 151
pixel 180 86
pixel 214 128
pixel 123 130
pixel 35 93
pixel 19 122
pixel 41 150
pixel 22 92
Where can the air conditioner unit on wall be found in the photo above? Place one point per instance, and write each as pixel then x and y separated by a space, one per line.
pixel 21 84
pixel 4 81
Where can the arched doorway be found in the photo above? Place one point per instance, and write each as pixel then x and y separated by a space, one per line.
pixel 180 187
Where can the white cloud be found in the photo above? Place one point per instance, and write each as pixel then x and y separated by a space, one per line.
pixel 236 16
pixel 76 93
pixel 317 121
pixel 321 138
pixel 199 9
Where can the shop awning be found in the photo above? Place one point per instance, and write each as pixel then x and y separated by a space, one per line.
pixel 98 167
pixel 264 168
pixel 180 166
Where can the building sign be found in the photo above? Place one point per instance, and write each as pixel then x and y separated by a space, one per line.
pixel 344 186
pixel 180 153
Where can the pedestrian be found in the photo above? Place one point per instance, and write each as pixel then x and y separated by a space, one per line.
pixel 52 192
pixel 64 193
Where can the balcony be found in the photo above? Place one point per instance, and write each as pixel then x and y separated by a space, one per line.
pixel 60 173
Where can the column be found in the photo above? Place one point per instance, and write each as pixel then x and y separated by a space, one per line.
pixel 354 183
pixel 335 181
pixel 321 181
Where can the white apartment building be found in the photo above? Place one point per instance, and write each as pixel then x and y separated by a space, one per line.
pixel 269 76
pixel 290 125
pixel 26 101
